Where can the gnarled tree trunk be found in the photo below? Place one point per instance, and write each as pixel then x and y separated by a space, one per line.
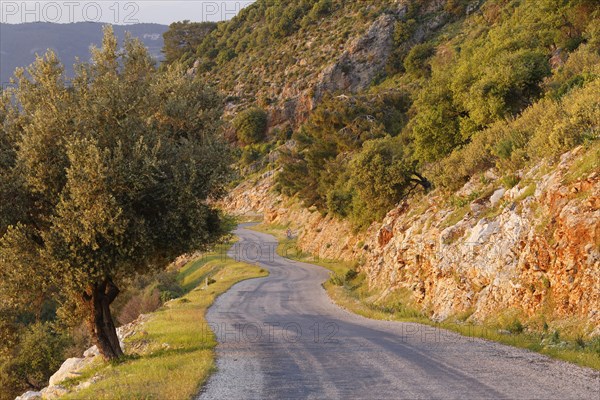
pixel 98 299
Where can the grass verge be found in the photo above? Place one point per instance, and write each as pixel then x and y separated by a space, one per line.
pixel 180 354
pixel 349 290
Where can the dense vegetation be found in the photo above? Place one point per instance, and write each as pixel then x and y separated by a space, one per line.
pixel 251 126
pixel 273 45
pixel 468 86
pixel 512 83
pixel 103 178
pixel 182 39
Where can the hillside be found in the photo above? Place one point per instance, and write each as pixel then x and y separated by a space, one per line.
pixel 286 55
pixel 20 43
pixel 429 142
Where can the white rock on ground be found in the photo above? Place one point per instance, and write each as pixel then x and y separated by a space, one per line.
pixel 54 392
pixel 69 369
pixel 91 352
pixel 497 196
pixel 30 396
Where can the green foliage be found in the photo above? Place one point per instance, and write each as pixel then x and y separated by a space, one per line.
pixel 435 127
pixel 546 129
pixel 182 39
pixel 381 176
pixel 515 327
pixel 403 31
pixel 39 354
pixel 251 125
pixel 456 7
pixel 111 172
pixel 321 8
pixel 415 62
pixel 318 168
pixel 485 96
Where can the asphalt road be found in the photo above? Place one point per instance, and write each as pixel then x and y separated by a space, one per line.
pixel 281 337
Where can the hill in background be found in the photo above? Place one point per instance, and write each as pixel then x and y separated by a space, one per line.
pixel 20 43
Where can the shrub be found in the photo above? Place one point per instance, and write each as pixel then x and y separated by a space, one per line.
pixel 337 280
pixel 435 128
pixel 415 62
pixel 224 56
pixel 144 302
pixel 321 7
pixel 249 155
pixel 39 354
pixel 516 327
pixel 251 125
pixel 351 274
pixel 168 285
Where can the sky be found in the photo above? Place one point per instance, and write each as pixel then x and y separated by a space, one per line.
pixel 120 12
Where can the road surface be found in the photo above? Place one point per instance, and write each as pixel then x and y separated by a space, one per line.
pixel 281 337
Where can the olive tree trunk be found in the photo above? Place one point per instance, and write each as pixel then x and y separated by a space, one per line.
pixel 98 299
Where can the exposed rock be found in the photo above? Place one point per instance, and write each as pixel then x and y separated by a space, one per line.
pixel 130 329
pixel 91 352
pixel 497 264
pixel 364 59
pixel 73 367
pixel 54 392
pixel 69 369
pixel 30 396
pixel 481 232
pixel 325 237
pixel 497 196
pixel 385 235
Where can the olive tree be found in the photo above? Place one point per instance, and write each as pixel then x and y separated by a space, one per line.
pixel 382 175
pixel 109 173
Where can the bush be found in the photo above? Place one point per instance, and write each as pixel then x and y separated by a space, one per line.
pixel 435 128
pixel 140 303
pixel 168 285
pixel 251 126
pixel 516 327
pixel 546 129
pixel 39 354
pixel 321 8
pixel 337 280
pixel 351 274
pixel 415 62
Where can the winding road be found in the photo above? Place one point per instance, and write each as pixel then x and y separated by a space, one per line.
pixel 281 337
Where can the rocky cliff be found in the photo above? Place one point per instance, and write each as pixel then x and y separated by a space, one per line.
pixel 344 52
pixel 533 249
pixel 485 251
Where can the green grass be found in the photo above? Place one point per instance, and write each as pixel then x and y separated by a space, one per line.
pixel 354 295
pixel 176 371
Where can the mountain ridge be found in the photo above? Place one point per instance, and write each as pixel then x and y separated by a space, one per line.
pixel 20 42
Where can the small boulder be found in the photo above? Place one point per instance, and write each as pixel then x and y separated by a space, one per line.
pixel 69 369
pixel 91 352
pixel 497 196
pixel 481 232
pixel 30 396
pixel 53 392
